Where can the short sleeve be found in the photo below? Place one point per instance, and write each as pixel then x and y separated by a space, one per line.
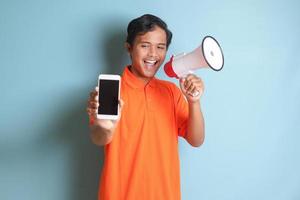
pixel 181 111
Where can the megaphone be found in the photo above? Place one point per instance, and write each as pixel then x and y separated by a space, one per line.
pixel 208 55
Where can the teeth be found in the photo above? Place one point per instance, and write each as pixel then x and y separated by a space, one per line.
pixel 150 61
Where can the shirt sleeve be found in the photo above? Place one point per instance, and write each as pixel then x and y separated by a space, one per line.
pixel 181 111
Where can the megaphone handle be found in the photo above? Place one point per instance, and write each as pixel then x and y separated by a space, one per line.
pixel 195 93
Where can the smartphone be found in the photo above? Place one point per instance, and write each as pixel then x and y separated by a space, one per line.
pixel 109 95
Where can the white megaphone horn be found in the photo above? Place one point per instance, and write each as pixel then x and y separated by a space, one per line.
pixel 208 54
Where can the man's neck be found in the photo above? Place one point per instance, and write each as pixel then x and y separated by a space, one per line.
pixel 145 80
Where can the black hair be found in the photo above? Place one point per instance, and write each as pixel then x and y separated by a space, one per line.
pixel 144 24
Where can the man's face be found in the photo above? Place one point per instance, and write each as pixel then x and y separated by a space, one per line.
pixel 148 53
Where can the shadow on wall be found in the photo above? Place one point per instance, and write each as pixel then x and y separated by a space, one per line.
pixel 88 158
pixel 57 160
pixel 84 158
pixel 61 155
pixel 113 46
pixel 69 125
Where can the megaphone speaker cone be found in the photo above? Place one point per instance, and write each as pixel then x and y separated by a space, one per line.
pixel 212 53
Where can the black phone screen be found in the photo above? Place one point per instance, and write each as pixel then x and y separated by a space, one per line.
pixel 108 97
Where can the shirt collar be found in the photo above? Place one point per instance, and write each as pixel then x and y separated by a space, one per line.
pixel 134 82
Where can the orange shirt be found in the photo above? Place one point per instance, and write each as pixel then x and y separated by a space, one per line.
pixel 142 161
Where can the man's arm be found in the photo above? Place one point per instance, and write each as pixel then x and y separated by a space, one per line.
pixel 195 126
pixel 101 131
pixel 101 135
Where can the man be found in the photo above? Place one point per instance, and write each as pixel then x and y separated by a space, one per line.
pixel 141 148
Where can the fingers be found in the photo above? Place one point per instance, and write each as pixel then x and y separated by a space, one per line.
pixel 92 104
pixel 192 85
pixel 121 104
pixel 91 112
pixel 92 108
pixel 94 95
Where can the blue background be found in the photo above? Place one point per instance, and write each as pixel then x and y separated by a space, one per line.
pixel 51 53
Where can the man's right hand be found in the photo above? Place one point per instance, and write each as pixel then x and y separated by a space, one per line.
pixel 101 129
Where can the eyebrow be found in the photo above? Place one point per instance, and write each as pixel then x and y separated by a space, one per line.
pixel 164 44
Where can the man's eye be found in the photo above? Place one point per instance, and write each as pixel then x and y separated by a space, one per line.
pixel 161 47
pixel 145 45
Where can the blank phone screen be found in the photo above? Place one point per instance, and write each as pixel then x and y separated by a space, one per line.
pixel 108 97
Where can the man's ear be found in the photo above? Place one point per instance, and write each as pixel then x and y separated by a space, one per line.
pixel 127 47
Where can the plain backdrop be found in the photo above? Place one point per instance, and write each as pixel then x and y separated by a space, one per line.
pixel 51 53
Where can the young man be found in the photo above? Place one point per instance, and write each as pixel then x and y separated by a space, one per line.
pixel 141 148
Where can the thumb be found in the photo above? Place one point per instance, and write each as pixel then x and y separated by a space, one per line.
pixel 121 104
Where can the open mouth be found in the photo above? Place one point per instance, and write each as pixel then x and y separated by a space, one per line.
pixel 150 63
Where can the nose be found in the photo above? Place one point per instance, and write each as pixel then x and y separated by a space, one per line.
pixel 152 51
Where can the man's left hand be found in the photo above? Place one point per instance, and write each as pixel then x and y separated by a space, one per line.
pixel 192 87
